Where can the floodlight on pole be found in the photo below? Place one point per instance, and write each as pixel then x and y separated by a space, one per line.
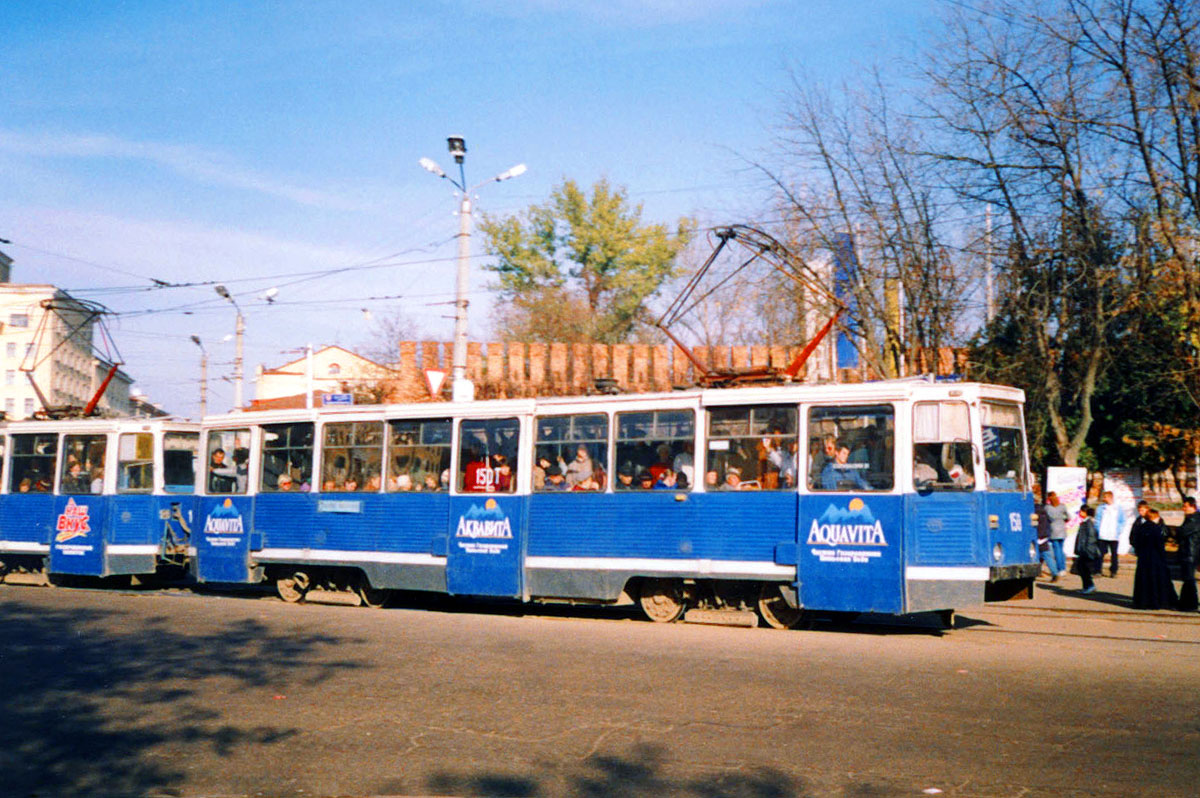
pixel 462 389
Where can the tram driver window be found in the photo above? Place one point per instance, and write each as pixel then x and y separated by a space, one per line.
pixel 751 448
pixel 571 453
pixel 655 450
pixel 851 448
pixel 352 456
pixel 180 451
pixel 487 455
pixel 228 460
pixel 135 462
pixel 287 455
pixel 418 455
pixel 83 464
pixel 31 469
pixel 943 458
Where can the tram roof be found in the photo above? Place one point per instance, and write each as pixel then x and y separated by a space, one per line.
pixel 882 390
pixel 97 425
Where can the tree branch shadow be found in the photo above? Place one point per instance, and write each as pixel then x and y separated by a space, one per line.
pixel 92 699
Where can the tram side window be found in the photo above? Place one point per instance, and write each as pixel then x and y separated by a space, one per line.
pixel 135 462
pixel 287 455
pixel 83 463
pixel 1003 447
pixel 228 460
pixel 571 453
pixel 751 448
pixel 418 455
pixel 31 469
pixel 352 456
pixel 851 448
pixel 487 455
pixel 180 451
pixel 655 450
pixel 942 455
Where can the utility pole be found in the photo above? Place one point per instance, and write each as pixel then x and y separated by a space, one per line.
pixel 238 362
pixel 987 265
pixel 203 376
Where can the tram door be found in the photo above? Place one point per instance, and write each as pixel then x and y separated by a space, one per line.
pixel 78 539
pixel 486 542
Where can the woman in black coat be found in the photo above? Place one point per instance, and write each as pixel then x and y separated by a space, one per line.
pixel 1087 548
pixel 1152 588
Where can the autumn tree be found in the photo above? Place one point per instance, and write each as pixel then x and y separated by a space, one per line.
pixel 581 266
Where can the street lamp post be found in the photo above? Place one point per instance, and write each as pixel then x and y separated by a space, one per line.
pixel 239 333
pixel 462 390
pixel 203 376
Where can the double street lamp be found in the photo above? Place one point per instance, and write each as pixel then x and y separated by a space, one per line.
pixel 239 334
pixel 462 390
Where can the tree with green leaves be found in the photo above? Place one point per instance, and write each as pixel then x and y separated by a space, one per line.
pixel 581 266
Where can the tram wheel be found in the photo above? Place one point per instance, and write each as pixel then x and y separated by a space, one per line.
pixel 293 586
pixel 775 611
pixel 662 600
pixel 372 597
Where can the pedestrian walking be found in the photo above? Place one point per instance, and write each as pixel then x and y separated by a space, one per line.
pixel 1087 548
pixel 1189 550
pixel 1110 520
pixel 1152 588
pixel 1058 514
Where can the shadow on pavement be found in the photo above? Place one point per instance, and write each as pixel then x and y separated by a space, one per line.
pixel 1101 596
pixel 94 701
pixel 641 772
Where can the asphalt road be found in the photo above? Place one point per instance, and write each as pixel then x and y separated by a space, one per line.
pixel 171 693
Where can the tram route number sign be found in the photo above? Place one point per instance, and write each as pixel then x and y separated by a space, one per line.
pixel 338 399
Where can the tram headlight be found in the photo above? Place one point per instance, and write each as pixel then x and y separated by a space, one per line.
pixel 998 552
pixel 1032 551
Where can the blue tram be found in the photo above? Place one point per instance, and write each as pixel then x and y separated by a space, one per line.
pixel 894 497
pixel 96 497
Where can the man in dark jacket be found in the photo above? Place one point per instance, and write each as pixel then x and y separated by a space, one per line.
pixel 1087 548
pixel 1189 551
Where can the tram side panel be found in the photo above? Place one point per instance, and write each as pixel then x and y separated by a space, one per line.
pixel 26 527
pixel 589 545
pixel 397 540
pixel 79 546
pixel 141 529
pixel 851 550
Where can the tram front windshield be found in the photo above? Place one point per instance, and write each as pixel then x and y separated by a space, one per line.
pixel 1003 447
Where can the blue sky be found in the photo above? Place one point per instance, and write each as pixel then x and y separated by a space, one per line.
pixel 253 143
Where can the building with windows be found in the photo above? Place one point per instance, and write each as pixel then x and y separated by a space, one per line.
pixel 62 364
pixel 334 369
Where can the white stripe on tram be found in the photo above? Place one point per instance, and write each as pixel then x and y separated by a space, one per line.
pixel 130 548
pixel 22 547
pixel 946 573
pixel 326 555
pixel 738 567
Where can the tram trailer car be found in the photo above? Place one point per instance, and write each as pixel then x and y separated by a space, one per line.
pixel 96 498
pixel 891 497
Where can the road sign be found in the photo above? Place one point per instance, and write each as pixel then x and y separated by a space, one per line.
pixel 337 399
pixel 434 379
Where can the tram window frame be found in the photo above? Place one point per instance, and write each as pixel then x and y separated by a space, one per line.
pixel 235 464
pixel 640 431
pixel 500 441
pixel 36 463
pixel 850 423
pixel 994 417
pixel 293 457
pixel 137 469
pixel 741 440
pixel 419 451
pixel 559 436
pixel 174 463
pixel 85 444
pixel 360 445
